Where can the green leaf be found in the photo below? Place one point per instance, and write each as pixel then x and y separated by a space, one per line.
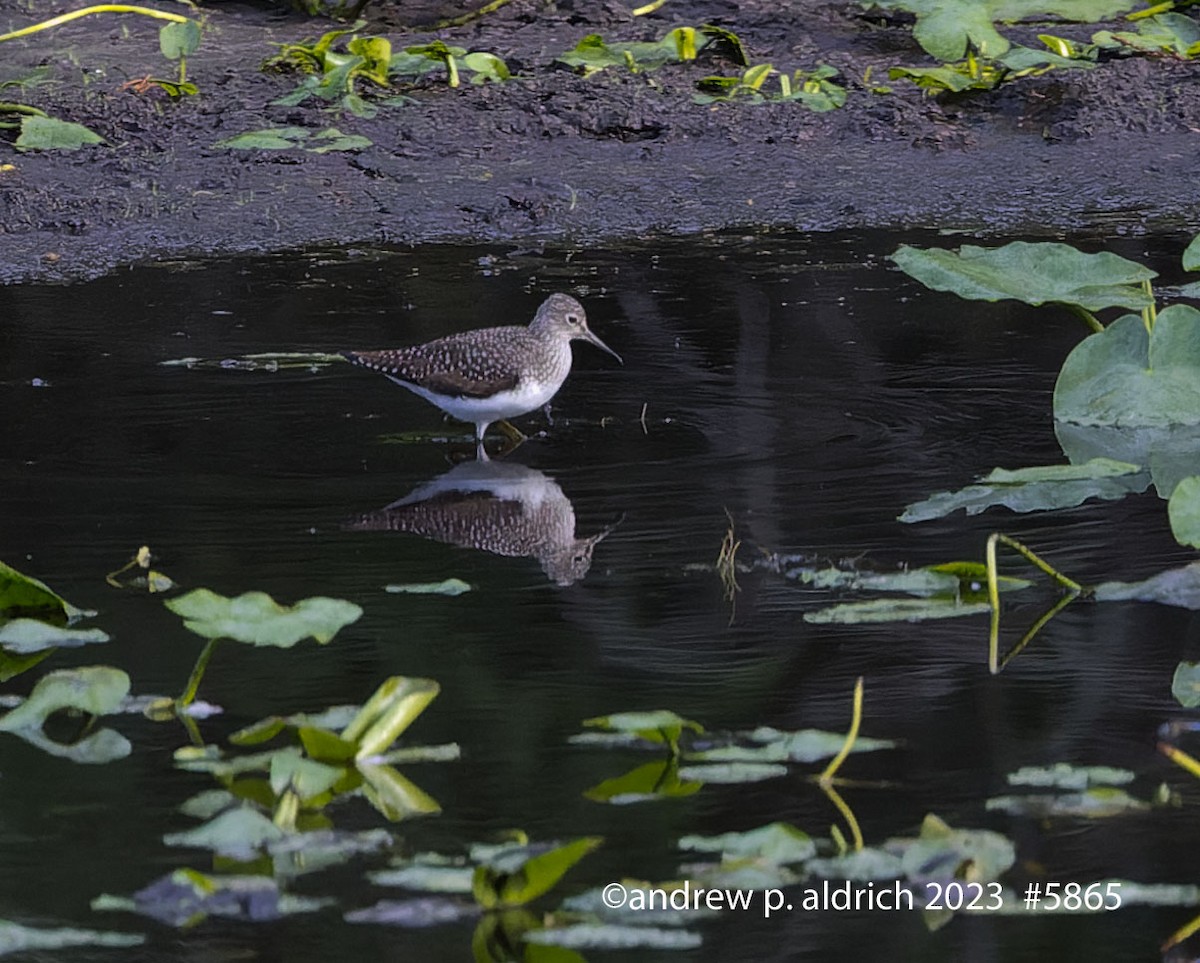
pixel 179 39
pixel 1100 802
pixel 1191 255
pixel 1185 684
pixel 426 878
pixel 95 689
pixel 863 864
pixel 257 619
pixel 393 795
pixel 1170 452
pixel 486 67
pixel 49 133
pixel 517 875
pixel 614 936
pixel 773 843
pixel 1179 587
pixel 659 726
pixel 775 745
pixel 23 636
pixel 1035 273
pixel 240 834
pixel 654 780
pixel 451 586
pixel 941 851
pixel 731 773
pixel 21 595
pixel 15 938
pixel 1184 511
pixel 1064 776
pixel 269 138
pixel 1124 376
pixel 874 611
pixel 1168 33
pixel 1043 488
pixel 305 777
pixel 390 710
pixel 333 139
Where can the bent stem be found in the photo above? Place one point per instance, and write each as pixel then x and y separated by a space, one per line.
pixel 826 777
pixel 468 17
pixel 1072 587
pixel 189 694
pixel 1028 637
pixel 1081 312
pixel 1150 313
pixel 101 8
pixel 843 807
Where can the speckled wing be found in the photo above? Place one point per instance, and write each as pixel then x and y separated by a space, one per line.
pixel 473 364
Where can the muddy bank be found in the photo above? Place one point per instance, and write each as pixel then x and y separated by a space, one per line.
pixel 551 157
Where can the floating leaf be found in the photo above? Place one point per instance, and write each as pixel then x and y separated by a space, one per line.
pixel 1064 776
pixel 775 745
pixel 450 586
pixel 393 795
pixel 659 726
pixel 1170 452
pixel 1100 802
pixel 1034 273
pixel 240 834
pixel 21 595
pixel 774 843
pixel 15 938
pixel 390 710
pixel 1176 586
pixel 414 913
pixel 861 864
pixel 520 874
pixel 977 855
pixel 22 636
pixel 95 689
pixel 1184 512
pixel 874 611
pixel 305 777
pixel 185 897
pixel 427 878
pixel 1185 684
pixel 49 133
pixel 612 936
pixel 655 780
pixel 1126 376
pixel 257 619
pixel 1191 255
pixel 269 138
pixel 731 773
pixel 1044 488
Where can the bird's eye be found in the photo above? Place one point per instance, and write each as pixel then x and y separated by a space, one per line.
pixel 572 319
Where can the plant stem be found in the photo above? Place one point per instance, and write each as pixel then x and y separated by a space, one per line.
pixel 468 17
pixel 102 8
pixel 1151 11
pixel 1149 314
pixel 1081 312
pixel 189 694
pixel 847 814
pixel 851 737
pixel 648 8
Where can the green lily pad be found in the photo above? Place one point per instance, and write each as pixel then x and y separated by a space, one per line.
pixel 415 913
pixel 22 636
pixel 1125 376
pixel 658 726
pixel 305 777
pixel 1185 684
pixel 613 936
pixel 1064 776
pixel 450 586
pixel 21 595
pixel 1179 587
pixel 863 864
pixel 1034 273
pixel 1166 33
pixel 15 938
pixel 1099 802
pixel 1043 488
pixel 185 897
pixel 654 780
pixel 239 834
pixel 1184 511
pixel 942 851
pixel 95 689
pixel 946 27
pixel 94 749
pixel 773 843
pixel 1191 255
pixel 257 619
pixel 874 611
pixel 1169 452
pixel 731 773
pixel 427 878
pixel 775 745
pixel 49 133
pixel 520 874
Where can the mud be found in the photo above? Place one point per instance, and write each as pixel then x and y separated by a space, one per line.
pixel 554 158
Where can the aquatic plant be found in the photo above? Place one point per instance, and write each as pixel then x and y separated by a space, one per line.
pixel 333 75
pixel 813 88
pixel 593 53
pixel 177 40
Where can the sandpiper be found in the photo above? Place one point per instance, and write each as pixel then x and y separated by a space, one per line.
pixel 491 374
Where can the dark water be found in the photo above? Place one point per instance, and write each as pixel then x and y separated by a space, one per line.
pixel 799 384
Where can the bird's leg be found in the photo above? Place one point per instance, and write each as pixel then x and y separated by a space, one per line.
pixel 546 412
pixel 480 451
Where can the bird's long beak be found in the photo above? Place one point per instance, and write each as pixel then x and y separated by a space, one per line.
pixel 589 336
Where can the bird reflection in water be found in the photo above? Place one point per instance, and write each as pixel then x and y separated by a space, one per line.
pixel 500 507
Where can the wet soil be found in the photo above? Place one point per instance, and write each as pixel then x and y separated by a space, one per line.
pixel 552 157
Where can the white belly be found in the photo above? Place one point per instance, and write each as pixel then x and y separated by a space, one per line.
pixel 484 411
